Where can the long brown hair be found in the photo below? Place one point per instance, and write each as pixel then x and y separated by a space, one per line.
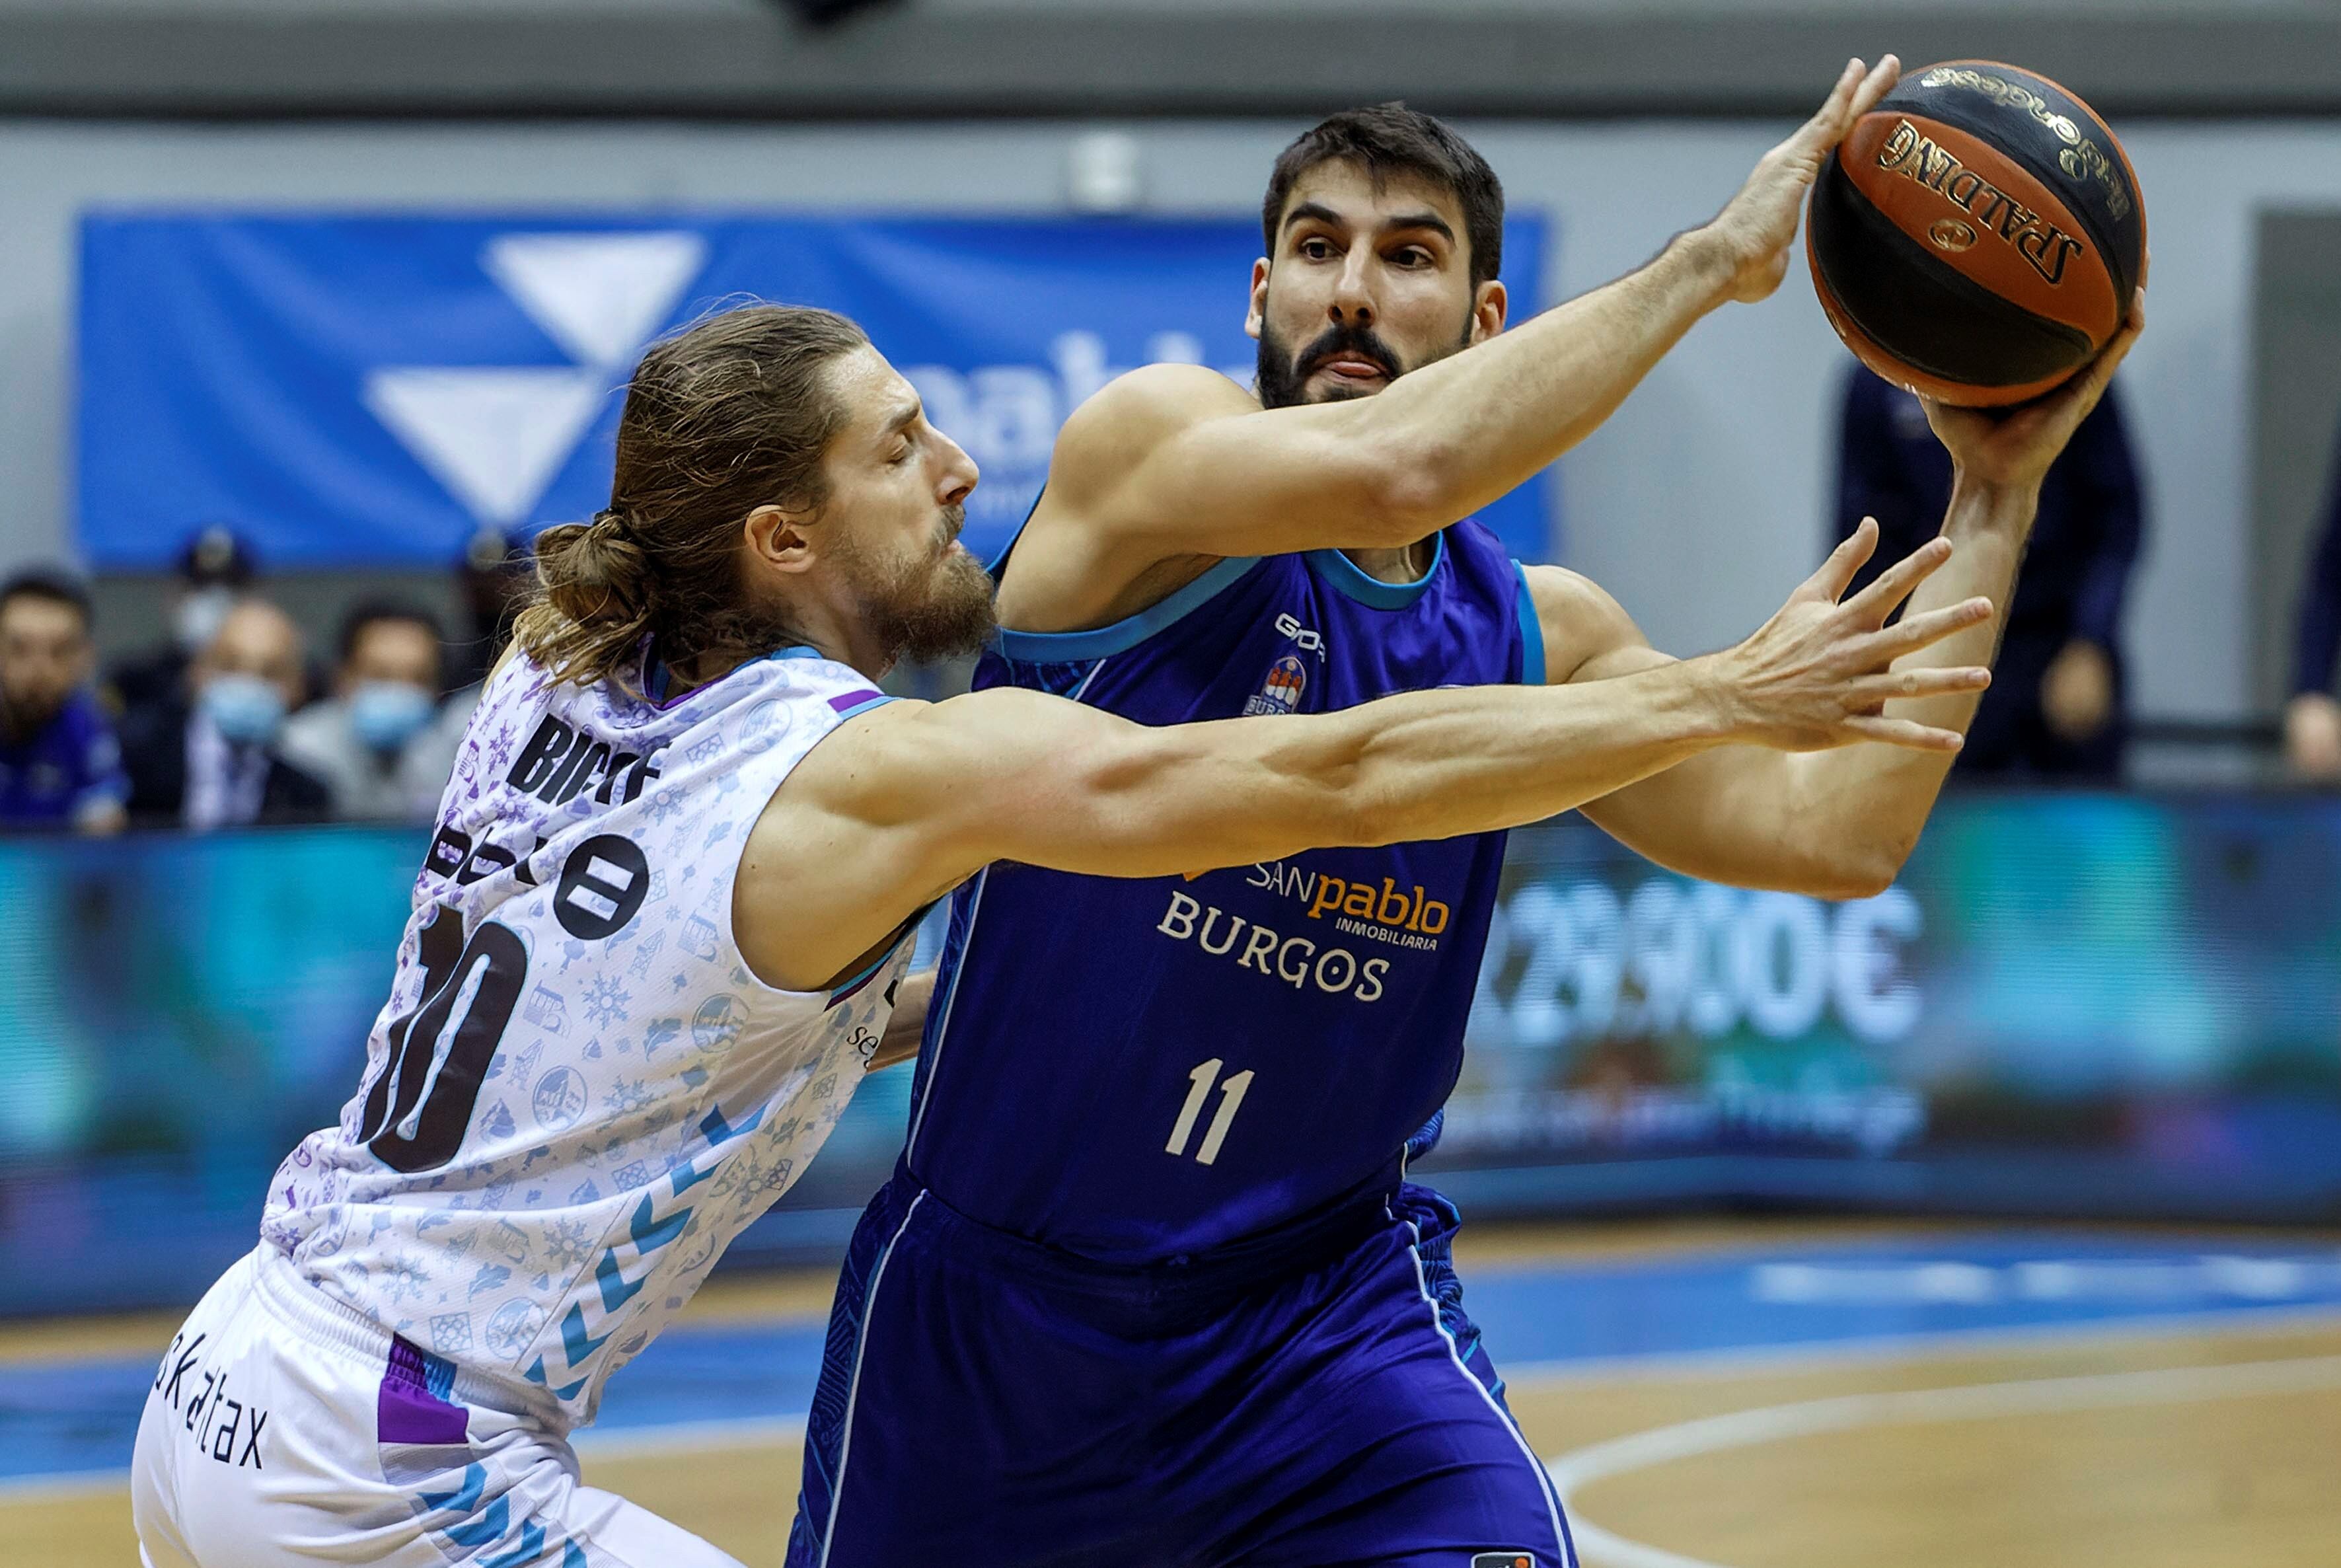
pixel 728 415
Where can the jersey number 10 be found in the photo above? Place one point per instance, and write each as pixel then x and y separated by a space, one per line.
pixel 1231 1094
pixel 495 955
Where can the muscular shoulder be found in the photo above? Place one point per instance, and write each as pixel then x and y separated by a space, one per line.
pixel 862 771
pixel 891 810
pixel 1582 623
pixel 1135 410
pixel 1127 420
pixel 1096 547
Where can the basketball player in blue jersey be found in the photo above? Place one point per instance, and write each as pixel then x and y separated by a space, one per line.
pixel 1147 1286
pixel 662 924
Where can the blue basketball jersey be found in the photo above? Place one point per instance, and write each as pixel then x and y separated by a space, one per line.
pixel 1136 1070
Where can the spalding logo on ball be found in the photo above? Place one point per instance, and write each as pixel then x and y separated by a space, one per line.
pixel 1978 236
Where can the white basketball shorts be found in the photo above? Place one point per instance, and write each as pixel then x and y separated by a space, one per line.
pixel 285 1428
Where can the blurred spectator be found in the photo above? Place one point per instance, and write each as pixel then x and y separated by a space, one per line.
pixel 215 567
pixel 369 742
pixel 432 756
pixel 2312 720
pixel 59 765
pixel 494 578
pixel 2054 708
pixel 205 757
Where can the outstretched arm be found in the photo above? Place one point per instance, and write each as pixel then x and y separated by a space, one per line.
pixel 1840 824
pixel 905 802
pixel 1177 461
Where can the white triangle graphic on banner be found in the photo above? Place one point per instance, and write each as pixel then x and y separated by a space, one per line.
pixel 600 296
pixel 494 438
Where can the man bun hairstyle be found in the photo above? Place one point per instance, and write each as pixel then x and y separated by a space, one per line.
pixel 730 414
pixel 1392 141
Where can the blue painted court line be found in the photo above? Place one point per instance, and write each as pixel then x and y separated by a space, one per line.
pixel 65 1417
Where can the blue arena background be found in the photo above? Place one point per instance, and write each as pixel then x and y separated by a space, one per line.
pixel 2069 1005
pixel 370 389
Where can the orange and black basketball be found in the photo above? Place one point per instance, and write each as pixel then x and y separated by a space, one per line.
pixel 1976 236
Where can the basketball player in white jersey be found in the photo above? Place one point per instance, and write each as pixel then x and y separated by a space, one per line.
pixel 660 930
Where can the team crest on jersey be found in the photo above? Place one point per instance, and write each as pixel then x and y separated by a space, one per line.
pixel 1280 692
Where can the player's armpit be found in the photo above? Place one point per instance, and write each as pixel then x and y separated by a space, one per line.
pixel 1588 634
pixel 1736 815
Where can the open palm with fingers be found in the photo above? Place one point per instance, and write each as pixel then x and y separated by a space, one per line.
pixel 1819 674
pixel 1759 225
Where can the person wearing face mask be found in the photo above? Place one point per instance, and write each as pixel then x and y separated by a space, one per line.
pixel 208 755
pixel 367 742
pixel 213 570
pixel 493 581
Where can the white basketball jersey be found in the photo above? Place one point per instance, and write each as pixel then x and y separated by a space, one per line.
pixel 577 1093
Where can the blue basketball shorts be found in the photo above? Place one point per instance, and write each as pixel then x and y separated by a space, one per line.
pixel 1319 1401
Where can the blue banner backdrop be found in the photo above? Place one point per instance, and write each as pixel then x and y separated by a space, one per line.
pixel 372 390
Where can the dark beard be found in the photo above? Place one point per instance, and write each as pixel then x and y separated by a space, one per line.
pixel 924 611
pixel 1282 374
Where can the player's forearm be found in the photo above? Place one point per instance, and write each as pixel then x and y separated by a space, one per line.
pixel 1186 798
pixel 1471 428
pixel 1076 790
pixel 1868 803
pixel 1434 764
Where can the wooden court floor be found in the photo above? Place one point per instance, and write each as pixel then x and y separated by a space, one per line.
pixel 2130 1447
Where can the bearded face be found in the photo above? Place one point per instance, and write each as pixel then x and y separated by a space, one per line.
pixel 1359 363
pixel 1365 364
pixel 931 601
pixel 1368 278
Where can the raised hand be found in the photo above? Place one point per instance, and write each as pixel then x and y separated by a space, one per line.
pixel 1816 675
pixel 1758 226
pixel 2012 447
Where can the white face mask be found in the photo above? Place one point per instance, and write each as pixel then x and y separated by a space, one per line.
pixel 387 715
pixel 200 617
pixel 245 709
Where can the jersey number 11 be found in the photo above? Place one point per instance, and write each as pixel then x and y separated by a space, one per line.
pixel 1231 1094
